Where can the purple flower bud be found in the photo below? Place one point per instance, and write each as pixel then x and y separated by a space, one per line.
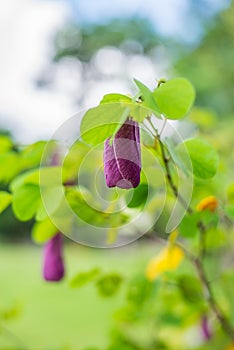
pixel 53 269
pixel 122 157
pixel 206 332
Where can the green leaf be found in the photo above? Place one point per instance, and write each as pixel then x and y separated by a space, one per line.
pixel 110 98
pixel 20 180
pixel 52 197
pixel 209 218
pixel 129 313
pixel 203 156
pixel 5 143
pixel 48 176
pixel 45 176
pixel 5 200
pixel 215 238
pixel 83 278
pixel 79 199
pixel 103 121
pixel 188 226
pixel 203 118
pixel 140 290
pixel 175 97
pixel 26 200
pixel 138 110
pixel 139 196
pixel 31 155
pixel 100 122
pixel 43 230
pixel 190 288
pixel 170 319
pixel 109 284
pixel 10 166
pixel 147 97
pixel 82 203
pixel 73 160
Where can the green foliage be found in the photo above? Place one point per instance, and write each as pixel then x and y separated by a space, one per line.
pixel 175 97
pixel 53 197
pixel 112 98
pixel 108 285
pixel 139 290
pixel 5 200
pixel 188 226
pixel 100 122
pixel 230 211
pixel 139 196
pixel 147 97
pixel 178 299
pixel 25 201
pixel 191 289
pixel 209 66
pixel 10 166
pixel 172 98
pixel 84 278
pixel 83 42
pixel 174 153
pixel 203 156
pixel 5 144
pixel 43 230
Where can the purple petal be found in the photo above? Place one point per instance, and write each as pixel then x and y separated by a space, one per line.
pixel 53 269
pixel 206 332
pixel 122 158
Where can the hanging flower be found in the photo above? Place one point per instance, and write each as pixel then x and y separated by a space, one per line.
pixel 209 203
pixel 122 157
pixel 53 269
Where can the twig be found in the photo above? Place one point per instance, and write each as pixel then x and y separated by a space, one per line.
pixel 197 261
pixel 163 127
pixel 174 189
pixel 224 322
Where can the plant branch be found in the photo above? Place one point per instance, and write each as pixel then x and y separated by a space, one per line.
pixel 224 322
pixel 197 261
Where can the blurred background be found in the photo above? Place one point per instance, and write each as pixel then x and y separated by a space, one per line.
pixel 58 57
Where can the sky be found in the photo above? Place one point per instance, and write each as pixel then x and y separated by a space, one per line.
pixel 169 17
pixel 27 28
pixel 172 11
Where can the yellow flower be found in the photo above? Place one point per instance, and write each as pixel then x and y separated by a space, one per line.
pixel 209 203
pixel 167 260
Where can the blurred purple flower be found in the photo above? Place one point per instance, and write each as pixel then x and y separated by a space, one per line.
pixel 206 331
pixel 53 269
pixel 122 157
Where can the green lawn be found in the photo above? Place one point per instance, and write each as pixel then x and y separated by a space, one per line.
pixel 54 316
